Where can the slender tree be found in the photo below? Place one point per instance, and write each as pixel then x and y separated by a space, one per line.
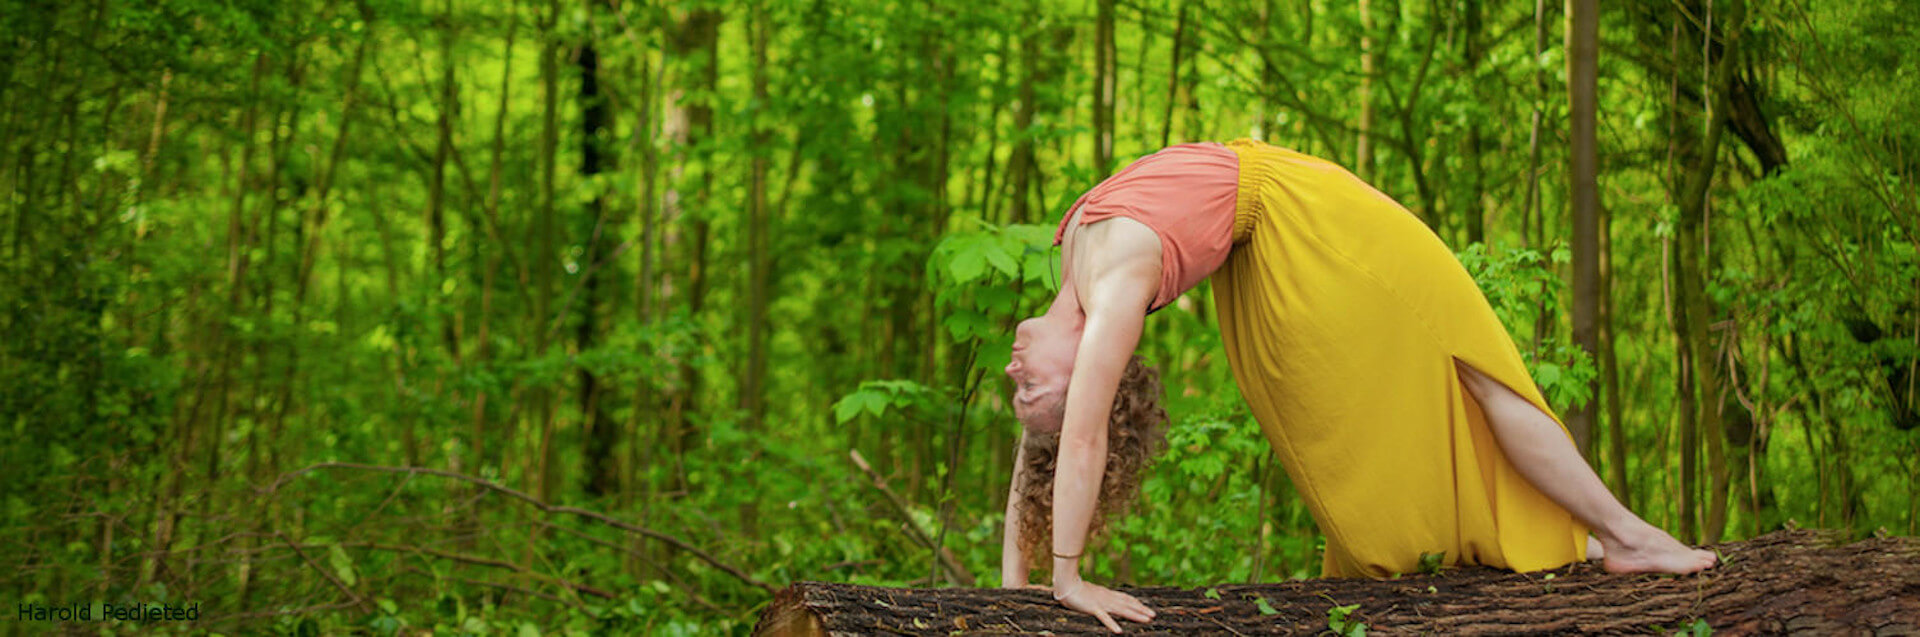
pixel 1583 47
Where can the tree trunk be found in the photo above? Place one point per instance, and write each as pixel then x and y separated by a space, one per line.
pixel 602 435
pixel 1103 85
pixel 641 457
pixel 544 237
pixel 437 182
pixel 1363 151
pixel 698 35
pixel 759 240
pixel 1610 370
pixel 1529 216
pixel 1774 584
pixel 1691 274
pixel 753 382
pixel 483 349
pixel 1583 47
pixel 1173 75
pixel 1021 164
pixel 1472 205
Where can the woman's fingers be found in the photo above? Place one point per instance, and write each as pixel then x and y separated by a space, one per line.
pixel 1127 606
pixel 1145 611
pixel 1130 607
pixel 1105 604
pixel 1107 619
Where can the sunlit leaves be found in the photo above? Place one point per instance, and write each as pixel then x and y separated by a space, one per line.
pixel 876 397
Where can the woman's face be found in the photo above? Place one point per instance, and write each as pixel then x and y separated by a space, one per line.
pixel 1041 364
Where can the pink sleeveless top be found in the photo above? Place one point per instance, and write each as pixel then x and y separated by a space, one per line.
pixel 1186 194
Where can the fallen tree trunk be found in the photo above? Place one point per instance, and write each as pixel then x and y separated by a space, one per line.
pixel 1784 582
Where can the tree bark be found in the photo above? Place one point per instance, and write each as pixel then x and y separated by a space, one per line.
pixel 1363 150
pixel 1103 84
pixel 1787 581
pixel 1529 216
pixel 1583 47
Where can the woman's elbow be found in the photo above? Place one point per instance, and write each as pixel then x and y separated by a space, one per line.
pixel 1092 448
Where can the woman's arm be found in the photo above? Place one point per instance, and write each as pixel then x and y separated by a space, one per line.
pixel 1105 347
pixel 1116 308
pixel 1013 561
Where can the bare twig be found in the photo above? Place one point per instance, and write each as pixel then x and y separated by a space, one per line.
pixel 357 599
pixel 954 569
pixel 541 505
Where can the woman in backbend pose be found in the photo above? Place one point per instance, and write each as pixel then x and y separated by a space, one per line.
pixel 1375 367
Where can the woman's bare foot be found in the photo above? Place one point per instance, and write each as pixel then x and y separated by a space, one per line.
pixel 1595 551
pixel 1646 549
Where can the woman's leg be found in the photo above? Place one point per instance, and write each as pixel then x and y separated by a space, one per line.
pixel 1540 450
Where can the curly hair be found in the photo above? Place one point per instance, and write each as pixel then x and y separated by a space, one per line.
pixel 1136 433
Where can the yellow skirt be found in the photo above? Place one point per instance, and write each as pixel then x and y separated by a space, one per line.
pixel 1342 315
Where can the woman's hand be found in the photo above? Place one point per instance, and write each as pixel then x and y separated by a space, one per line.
pixel 1104 603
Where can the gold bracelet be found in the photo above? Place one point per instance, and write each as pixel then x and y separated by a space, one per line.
pixel 1074 556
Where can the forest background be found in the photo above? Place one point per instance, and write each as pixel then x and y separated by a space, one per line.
pixel 549 316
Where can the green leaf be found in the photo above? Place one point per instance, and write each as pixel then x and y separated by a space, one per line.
pixel 1338 622
pixel 342 565
pixel 847 407
pixel 1547 374
pixel 876 402
pixel 1431 563
pixel 1000 256
pixel 1265 608
pixel 969 258
pixel 1212 593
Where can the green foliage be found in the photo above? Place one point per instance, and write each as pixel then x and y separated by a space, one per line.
pixel 1340 623
pixel 875 397
pixel 1433 563
pixel 1519 284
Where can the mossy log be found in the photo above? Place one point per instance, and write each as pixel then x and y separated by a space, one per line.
pixel 1787 582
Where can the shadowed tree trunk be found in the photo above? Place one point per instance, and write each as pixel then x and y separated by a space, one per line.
pixel 602 433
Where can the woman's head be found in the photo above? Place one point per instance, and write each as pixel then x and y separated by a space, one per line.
pixel 1136 432
pixel 1040 366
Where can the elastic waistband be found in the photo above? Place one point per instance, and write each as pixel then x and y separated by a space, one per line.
pixel 1256 170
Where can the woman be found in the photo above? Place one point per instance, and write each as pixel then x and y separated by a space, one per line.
pixel 1376 369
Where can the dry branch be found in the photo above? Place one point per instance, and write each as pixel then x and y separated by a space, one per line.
pixel 955 571
pixel 538 504
pixel 1785 582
